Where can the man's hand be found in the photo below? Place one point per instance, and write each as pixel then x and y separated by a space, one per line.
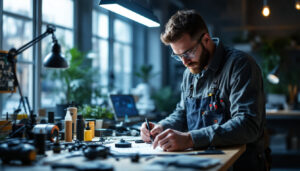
pixel 155 130
pixel 172 140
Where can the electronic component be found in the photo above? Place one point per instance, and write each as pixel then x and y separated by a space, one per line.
pixel 56 146
pixel 50 117
pixel 135 158
pixel 40 142
pixel 123 144
pixel 94 150
pixel 52 131
pixel 139 141
pixel 80 128
pixel 16 150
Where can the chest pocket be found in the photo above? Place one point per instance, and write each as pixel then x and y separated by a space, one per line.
pixel 205 111
pixel 213 111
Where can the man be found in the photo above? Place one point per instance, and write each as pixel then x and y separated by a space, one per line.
pixel 222 99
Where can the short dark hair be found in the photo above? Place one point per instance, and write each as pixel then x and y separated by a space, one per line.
pixel 183 21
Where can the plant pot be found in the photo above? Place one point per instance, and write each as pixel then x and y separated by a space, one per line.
pixel 99 123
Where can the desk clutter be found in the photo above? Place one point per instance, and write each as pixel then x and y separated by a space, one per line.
pixel 93 155
pixel 56 155
pixel 62 145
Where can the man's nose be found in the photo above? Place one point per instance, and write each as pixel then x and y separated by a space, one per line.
pixel 184 60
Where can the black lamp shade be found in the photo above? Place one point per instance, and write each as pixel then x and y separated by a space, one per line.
pixel 54 59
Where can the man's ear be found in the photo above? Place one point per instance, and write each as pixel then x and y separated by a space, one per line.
pixel 206 37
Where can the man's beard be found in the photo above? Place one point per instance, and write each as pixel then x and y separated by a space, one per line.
pixel 203 61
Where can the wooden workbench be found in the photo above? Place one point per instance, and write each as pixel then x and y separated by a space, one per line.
pixel 286 124
pixel 227 159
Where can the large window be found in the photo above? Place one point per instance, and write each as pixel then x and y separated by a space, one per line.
pixel 122 55
pixel 101 48
pixel 62 17
pixel 17 30
pixel 112 48
pixel 115 66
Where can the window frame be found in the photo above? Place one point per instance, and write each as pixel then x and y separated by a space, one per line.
pixel 111 40
pixel 98 38
pixel 20 61
pixel 36 61
pixel 45 23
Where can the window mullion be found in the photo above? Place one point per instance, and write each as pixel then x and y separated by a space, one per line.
pixel 37 20
pixel 1 47
pixel 57 26
pixel 18 16
pixel 111 48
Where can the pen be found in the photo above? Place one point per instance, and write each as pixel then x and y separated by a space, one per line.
pixel 148 127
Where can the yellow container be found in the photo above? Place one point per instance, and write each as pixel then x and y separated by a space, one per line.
pixel 22 116
pixel 88 133
pixel 92 126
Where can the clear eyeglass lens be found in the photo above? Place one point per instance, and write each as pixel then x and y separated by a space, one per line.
pixel 187 55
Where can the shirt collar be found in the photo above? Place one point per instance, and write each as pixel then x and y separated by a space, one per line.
pixel 216 60
pixel 217 57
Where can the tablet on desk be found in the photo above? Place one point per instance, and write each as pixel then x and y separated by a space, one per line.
pixel 124 106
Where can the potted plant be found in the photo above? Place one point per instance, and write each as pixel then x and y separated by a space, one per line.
pixel 145 73
pixel 279 52
pixel 98 113
pixel 76 80
pixel 272 52
pixel 143 90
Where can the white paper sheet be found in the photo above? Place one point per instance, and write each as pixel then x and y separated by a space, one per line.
pixel 141 148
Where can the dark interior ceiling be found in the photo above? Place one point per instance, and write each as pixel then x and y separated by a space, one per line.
pixel 230 18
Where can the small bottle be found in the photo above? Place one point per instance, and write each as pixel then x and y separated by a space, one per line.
pixel 73 112
pixel 88 133
pixel 68 127
pixel 79 128
pixel 50 117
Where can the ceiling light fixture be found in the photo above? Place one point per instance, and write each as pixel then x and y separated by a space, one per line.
pixel 266 10
pixel 297 4
pixel 132 11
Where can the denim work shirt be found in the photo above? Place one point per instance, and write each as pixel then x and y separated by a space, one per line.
pixel 241 88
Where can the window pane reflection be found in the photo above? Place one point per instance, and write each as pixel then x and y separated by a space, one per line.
pixel 122 67
pixel 59 12
pixel 100 24
pixel 122 31
pixel 21 7
pixel 16 33
pixel 100 61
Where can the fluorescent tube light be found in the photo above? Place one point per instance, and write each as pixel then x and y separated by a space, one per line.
pixel 131 11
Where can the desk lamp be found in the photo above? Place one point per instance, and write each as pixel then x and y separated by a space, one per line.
pixel 53 60
pixel 273 76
